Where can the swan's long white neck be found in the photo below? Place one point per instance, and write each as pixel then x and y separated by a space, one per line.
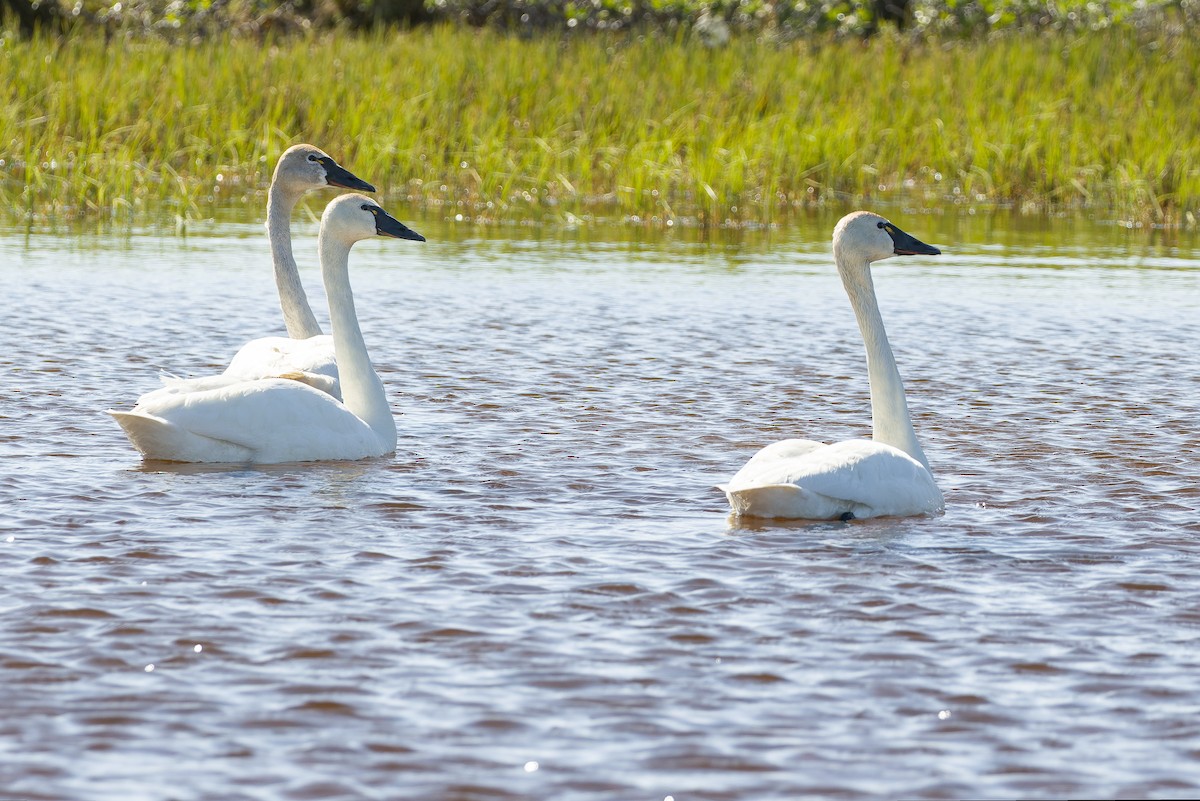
pixel 362 389
pixel 297 315
pixel 890 421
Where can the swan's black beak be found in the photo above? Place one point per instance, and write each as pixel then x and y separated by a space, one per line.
pixel 387 225
pixel 907 245
pixel 337 175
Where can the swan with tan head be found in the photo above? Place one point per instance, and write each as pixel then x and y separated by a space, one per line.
pixel 273 420
pixel 887 475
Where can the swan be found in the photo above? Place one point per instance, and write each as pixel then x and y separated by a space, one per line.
pixel 887 475
pixel 275 419
pixel 305 354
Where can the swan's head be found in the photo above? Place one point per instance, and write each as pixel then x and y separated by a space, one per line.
pixel 302 168
pixel 868 237
pixel 354 217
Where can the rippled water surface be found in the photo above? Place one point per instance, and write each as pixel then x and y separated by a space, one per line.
pixel 540 596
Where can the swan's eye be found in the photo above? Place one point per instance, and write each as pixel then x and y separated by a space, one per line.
pixel 373 209
pixel 880 225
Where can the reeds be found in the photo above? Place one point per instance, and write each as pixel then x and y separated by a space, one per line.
pixel 650 127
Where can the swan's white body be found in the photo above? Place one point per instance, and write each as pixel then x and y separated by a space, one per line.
pixel 887 475
pixel 306 352
pixel 260 421
pixel 273 420
pixel 857 478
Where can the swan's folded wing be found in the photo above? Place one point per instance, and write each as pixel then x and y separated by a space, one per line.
pixel 275 419
pixel 159 439
pixel 860 477
pixel 276 356
pixel 174 385
pixel 765 466
pixel 876 478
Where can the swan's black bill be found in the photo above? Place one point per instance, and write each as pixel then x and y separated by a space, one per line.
pixel 337 175
pixel 387 225
pixel 907 245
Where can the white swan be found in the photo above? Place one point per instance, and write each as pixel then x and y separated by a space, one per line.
pixel 272 420
pixel 883 476
pixel 305 354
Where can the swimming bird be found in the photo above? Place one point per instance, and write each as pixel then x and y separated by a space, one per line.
pixel 272 420
pixel 305 354
pixel 887 475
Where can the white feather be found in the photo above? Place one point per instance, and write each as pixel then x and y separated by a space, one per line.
pixel 264 421
pixel 283 419
pixel 887 475
pixel 305 351
pixel 813 481
pixel 311 358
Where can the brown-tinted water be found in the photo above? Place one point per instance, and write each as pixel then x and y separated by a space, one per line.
pixel 540 595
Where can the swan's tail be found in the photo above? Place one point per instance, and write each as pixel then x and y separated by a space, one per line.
pixel 160 440
pixel 788 501
pixel 771 500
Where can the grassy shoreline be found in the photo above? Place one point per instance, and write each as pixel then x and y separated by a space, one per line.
pixel 497 127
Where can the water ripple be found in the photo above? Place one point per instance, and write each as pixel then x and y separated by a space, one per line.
pixel 541 596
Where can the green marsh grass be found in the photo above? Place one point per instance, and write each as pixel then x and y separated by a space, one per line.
pixel 655 128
